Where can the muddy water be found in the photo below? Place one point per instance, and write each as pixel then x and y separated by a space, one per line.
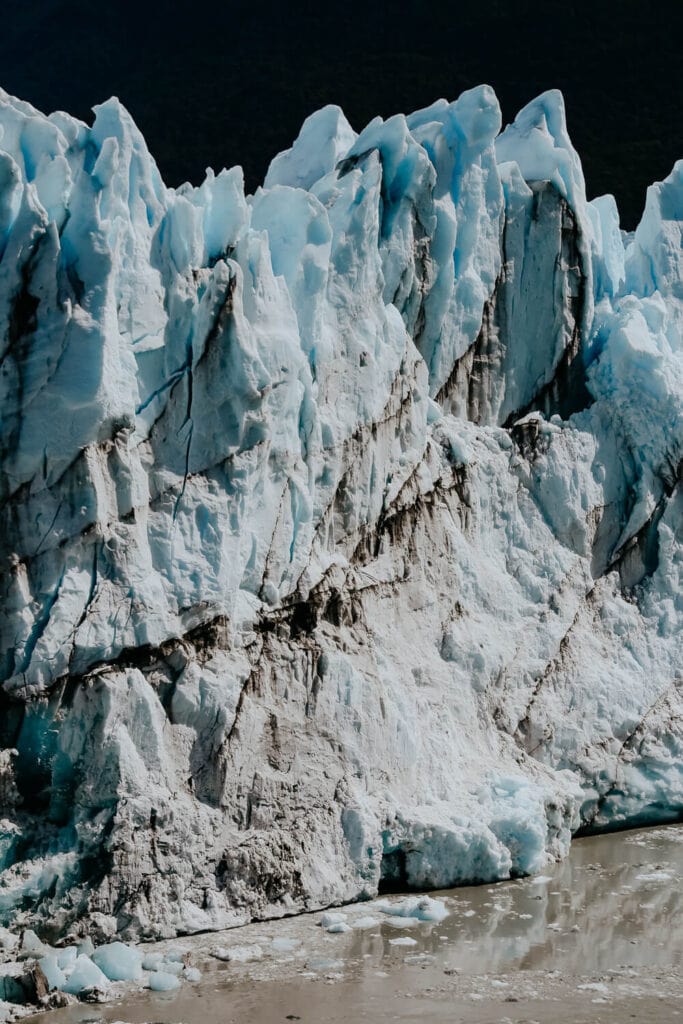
pixel 597 938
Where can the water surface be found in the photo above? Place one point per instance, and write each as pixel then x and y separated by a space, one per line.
pixel 596 938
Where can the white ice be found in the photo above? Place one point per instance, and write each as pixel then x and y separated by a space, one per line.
pixel 341 540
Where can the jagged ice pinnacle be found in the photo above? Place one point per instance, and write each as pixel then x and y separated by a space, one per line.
pixel 342 525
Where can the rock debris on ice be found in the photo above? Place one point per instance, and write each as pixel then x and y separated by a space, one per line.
pixel 342 524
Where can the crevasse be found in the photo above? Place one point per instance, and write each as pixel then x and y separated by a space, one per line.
pixel 342 527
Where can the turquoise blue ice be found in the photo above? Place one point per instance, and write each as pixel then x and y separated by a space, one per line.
pixel 341 535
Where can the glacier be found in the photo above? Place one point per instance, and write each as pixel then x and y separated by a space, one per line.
pixel 342 524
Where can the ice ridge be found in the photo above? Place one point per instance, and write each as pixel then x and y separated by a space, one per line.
pixel 341 528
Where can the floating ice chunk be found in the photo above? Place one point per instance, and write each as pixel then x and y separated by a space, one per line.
pixel 118 961
pixel 423 908
pixel 323 963
pixel 331 917
pixel 429 909
pixel 403 922
pixel 176 955
pixel 192 975
pixel 403 940
pixel 161 981
pixel 53 973
pixel 284 945
pixel 338 927
pixel 85 975
pixel 240 954
pixel 366 922
pixel 541 880
pixel 152 962
pixel 172 967
pixel 594 986
pixel 654 876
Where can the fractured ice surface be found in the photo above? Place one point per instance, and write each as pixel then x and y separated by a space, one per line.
pixel 341 536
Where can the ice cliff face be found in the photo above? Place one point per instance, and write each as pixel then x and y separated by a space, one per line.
pixel 342 525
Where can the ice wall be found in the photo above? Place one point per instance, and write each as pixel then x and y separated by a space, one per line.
pixel 342 525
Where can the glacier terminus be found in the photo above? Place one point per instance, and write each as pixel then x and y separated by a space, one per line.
pixel 341 538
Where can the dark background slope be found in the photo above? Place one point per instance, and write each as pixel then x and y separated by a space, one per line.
pixel 230 82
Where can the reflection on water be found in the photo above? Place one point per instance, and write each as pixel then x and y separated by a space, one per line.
pixel 614 903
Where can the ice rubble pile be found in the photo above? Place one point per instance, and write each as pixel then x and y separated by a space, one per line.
pixel 34 973
pixel 341 524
